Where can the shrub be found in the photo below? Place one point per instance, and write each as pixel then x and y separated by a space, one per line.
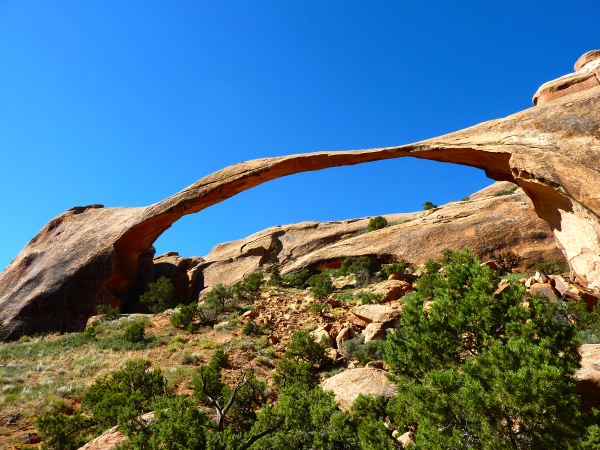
pixel 125 394
pixel 136 332
pixel 304 347
pixel 356 348
pixel 506 261
pixel 250 328
pixel 429 205
pixel 248 288
pixel 109 311
pixel 160 295
pixel 356 264
pixel 554 267
pixel 369 298
pixel 370 415
pixel 133 338
pixel 508 191
pixel 252 283
pixel 478 363
pixel 217 301
pixel 275 279
pixel 322 286
pixel 300 362
pixel 398 268
pixel 587 322
pixel 317 308
pixel 305 419
pixel 297 279
pixel 184 316
pixel 377 223
pixel 114 400
pixel 62 431
pixel 362 267
pixel 177 424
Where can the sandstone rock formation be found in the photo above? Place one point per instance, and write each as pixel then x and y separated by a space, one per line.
pixel 588 376
pixel 113 436
pixel 494 220
pixel 92 254
pixel 376 313
pixel 349 384
pixel 490 222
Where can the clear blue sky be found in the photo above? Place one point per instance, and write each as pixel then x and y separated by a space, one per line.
pixel 126 102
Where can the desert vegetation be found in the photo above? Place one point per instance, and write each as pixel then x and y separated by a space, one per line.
pixel 474 367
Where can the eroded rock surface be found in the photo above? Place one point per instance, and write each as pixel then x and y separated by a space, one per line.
pixel 497 219
pixel 349 384
pixel 90 255
pixel 588 376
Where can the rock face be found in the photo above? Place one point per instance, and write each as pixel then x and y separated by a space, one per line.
pixel 588 376
pixel 586 76
pixel 349 384
pixel 376 313
pixel 497 219
pixel 92 254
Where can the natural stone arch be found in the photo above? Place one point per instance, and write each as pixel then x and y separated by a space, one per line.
pixel 551 150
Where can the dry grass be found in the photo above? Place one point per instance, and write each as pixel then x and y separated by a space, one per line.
pixel 41 371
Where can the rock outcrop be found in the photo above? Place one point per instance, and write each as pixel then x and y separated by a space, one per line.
pixel 349 384
pixel 497 219
pixel 113 436
pixel 588 376
pixel 92 254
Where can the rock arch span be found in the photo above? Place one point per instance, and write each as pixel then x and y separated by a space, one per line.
pixel 90 255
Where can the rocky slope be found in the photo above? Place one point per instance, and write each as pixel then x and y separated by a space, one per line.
pixel 91 255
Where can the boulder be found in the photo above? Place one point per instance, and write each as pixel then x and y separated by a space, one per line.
pixel 391 290
pixel 544 289
pixel 322 336
pixel 349 384
pixel 588 376
pixel 404 439
pixel 357 321
pixel 182 271
pixel 373 330
pixel 376 313
pixel 112 437
pixel 347 281
pixel 91 254
pixel 345 334
pixel 540 277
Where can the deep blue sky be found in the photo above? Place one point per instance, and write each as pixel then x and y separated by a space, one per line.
pixel 126 102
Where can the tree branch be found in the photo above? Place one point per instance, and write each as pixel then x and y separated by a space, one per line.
pixel 262 434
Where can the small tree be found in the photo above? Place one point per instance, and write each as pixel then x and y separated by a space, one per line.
pixel 496 372
pixel 249 287
pixel 275 279
pixel 136 332
pixel 377 223
pixel 184 316
pixel 321 285
pixel 108 311
pixel 216 302
pixel 397 268
pixel 428 205
pixel 300 362
pixel 160 295
pixel 506 261
pixel 363 267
